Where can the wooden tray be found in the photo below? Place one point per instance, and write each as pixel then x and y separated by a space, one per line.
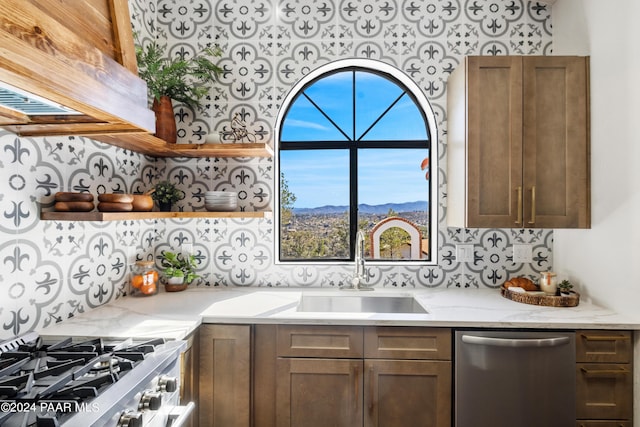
pixel 571 300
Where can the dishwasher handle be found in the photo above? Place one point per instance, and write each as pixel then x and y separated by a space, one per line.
pixel 515 342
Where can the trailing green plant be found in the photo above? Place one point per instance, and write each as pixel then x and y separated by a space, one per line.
pixel 181 79
pixel 166 192
pixel 177 265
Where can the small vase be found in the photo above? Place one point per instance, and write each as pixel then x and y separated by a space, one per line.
pixel 548 282
pixel 165 119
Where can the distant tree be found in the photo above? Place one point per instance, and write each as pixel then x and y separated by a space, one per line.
pixel 339 238
pixel 302 244
pixel 393 240
pixel 287 200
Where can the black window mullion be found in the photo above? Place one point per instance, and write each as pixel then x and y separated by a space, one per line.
pixel 325 115
pixel 313 145
pixel 375 122
pixel 353 175
pixel 353 202
pixel 395 144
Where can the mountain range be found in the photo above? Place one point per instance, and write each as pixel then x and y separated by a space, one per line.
pixel 364 208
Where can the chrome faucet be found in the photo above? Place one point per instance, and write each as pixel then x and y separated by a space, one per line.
pixel 359 277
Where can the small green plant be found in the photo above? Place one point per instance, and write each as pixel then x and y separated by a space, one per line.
pixel 166 192
pixel 177 265
pixel 565 286
pixel 180 78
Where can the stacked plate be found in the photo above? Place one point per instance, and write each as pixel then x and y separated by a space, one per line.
pixel 220 201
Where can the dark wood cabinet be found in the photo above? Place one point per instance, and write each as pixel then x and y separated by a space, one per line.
pixel 356 376
pixel 320 341
pixel 604 376
pixel 319 392
pixel 407 393
pixel 270 375
pixel 518 142
pixel 225 376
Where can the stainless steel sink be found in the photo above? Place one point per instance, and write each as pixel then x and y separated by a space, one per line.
pixel 359 304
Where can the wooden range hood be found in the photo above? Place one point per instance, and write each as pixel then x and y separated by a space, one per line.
pixel 79 54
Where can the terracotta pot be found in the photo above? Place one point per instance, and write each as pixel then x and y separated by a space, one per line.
pixel 165 119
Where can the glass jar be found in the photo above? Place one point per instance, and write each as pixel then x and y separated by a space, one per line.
pixel 144 279
pixel 548 282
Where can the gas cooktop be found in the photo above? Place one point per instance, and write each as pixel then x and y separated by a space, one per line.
pixel 87 382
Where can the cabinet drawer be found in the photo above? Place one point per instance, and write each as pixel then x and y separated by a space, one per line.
pixel 604 391
pixel 407 343
pixel 603 424
pixel 603 346
pixel 320 341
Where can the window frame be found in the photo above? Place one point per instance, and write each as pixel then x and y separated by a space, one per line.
pixel 413 90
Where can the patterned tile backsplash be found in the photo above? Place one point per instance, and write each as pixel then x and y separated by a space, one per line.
pixel 55 270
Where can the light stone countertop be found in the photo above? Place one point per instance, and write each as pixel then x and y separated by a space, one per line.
pixel 175 315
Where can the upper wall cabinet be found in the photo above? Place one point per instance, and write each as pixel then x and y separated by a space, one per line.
pixel 518 142
pixel 71 68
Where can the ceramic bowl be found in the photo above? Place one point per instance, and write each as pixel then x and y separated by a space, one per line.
pixel 142 202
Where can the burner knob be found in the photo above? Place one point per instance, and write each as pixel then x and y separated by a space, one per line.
pixel 167 384
pixel 130 419
pixel 150 400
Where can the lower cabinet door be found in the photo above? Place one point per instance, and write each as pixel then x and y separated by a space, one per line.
pixel 604 391
pixel 319 392
pixel 225 376
pixel 407 393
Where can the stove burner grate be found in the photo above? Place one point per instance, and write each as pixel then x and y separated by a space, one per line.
pixel 63 375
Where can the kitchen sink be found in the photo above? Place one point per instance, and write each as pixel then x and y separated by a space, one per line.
pixel 359 304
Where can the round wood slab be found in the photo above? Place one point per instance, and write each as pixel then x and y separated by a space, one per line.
pixel 571 300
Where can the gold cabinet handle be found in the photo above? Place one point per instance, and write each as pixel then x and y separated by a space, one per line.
pixel 533 205
pixel 605 372
pixel 519 218
pixel 605 337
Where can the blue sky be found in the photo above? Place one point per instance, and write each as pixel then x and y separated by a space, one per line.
pixel 320 177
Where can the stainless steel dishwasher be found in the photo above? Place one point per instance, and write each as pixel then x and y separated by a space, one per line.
pixel 514 379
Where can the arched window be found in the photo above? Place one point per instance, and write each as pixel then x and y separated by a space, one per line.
pixel 354 144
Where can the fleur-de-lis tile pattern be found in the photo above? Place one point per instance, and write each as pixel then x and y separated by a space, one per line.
pixel 56 270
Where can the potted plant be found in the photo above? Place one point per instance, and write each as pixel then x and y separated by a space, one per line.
pixel 178 269
pixel 166 194
pixel 565 287
pixel 180 79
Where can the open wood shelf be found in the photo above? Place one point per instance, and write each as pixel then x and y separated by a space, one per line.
pixel 150 145
pixel 120 216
